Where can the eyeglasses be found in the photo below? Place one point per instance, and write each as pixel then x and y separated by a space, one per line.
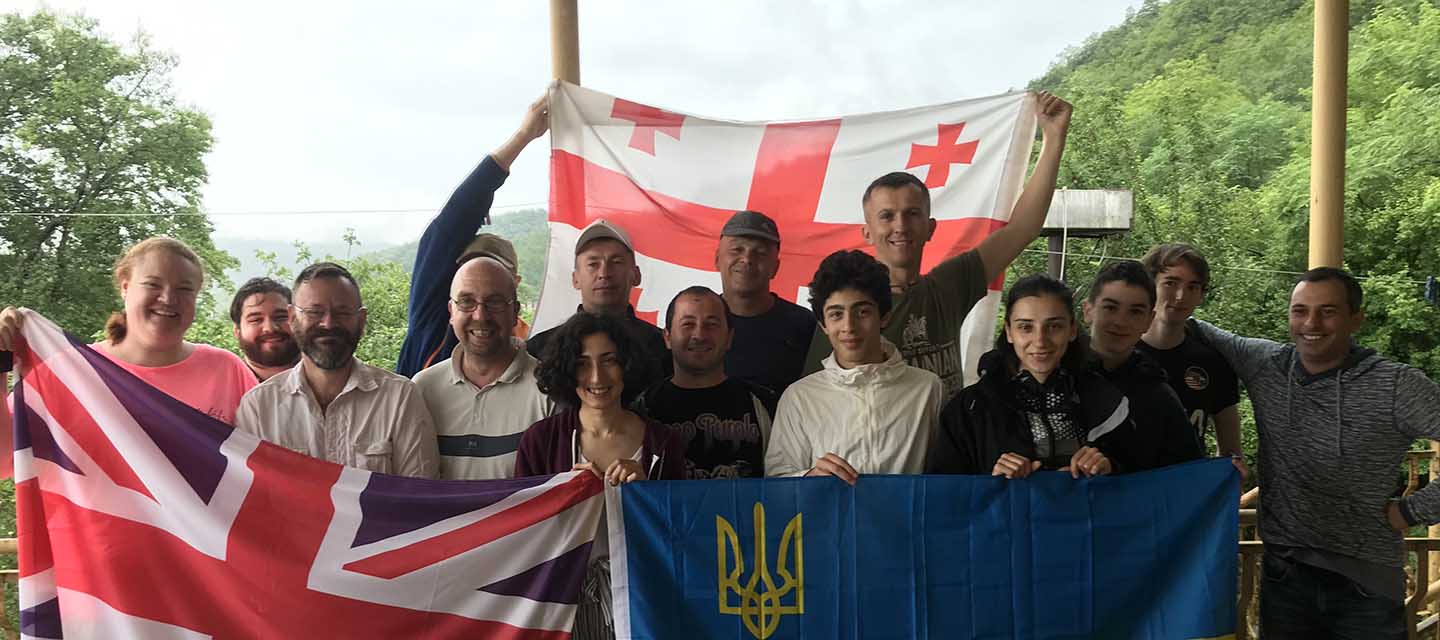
pixel 315 314
pixel 492 305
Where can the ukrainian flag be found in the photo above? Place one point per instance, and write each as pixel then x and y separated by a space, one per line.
pixel 1148 555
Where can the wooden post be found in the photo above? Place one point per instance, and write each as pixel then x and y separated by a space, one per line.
pixel 1055 260
pixel 1327 133
pixel 565 41
pixel 1434 530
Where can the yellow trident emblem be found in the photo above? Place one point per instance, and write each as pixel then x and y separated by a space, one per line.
pixel 760 609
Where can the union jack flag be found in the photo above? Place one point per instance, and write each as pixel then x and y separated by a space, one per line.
pixel 140 517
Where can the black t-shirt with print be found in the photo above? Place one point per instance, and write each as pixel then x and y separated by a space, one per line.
pixel 722 428
pixel 1199 375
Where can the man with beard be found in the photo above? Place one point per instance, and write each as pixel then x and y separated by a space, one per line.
pixel 484 396
pixel 772 334
pixel 605 273
pixel 333 406
pixel 1119 310
pixel 930 309
pixel 261 314
pixel 723 422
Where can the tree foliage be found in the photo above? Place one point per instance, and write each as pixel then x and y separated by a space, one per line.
pixel 90 127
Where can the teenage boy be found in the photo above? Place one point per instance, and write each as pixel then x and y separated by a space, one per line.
pixel 866 411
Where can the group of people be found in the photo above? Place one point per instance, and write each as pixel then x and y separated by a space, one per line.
pixel 743 383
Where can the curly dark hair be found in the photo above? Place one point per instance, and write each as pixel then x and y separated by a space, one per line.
pixel 850 270
pixel 556 374
pixel 1077 353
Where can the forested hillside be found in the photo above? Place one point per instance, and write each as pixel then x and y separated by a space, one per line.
pixel 1201 107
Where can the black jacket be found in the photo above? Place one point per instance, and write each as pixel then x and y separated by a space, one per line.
pixel 984 421
pixel 1164 434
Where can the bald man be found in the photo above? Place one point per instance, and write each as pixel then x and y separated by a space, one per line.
pixel 484 396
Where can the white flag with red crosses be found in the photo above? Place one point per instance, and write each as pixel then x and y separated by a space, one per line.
pixel 671 180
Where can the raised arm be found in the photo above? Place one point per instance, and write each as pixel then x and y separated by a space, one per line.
pixel 1028 216
pixel 447 236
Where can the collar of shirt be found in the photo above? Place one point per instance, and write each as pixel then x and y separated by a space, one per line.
pixel 888 369
pixel 361 377
pixel 521 363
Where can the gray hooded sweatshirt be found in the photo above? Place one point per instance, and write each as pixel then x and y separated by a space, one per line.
pixel 1331 445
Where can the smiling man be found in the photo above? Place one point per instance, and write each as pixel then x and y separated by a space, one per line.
pixel 1335 421
pixel 261 314
pixel 483 397
pixel 930 308
pixel 333 406
pixel 1119 310
pixel 722 421
pixel 866 411
pixel 772 334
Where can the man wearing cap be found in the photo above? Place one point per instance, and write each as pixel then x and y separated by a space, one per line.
pixel 605 272
pixel 772 334
pixel 451 239
pixel 483 397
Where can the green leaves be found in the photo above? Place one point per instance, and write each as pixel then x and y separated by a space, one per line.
pixel 90 127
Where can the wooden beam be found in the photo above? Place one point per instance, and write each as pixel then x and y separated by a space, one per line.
pixel 565 41
pixel 1327 133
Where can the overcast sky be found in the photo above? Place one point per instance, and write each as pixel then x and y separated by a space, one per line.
pixel 385 105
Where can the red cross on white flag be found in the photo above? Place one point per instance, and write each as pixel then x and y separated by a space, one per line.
pixel 672 180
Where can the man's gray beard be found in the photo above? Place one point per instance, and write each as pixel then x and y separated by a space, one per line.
pixel 329 359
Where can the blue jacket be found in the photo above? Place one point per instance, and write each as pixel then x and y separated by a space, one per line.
pixel 429 338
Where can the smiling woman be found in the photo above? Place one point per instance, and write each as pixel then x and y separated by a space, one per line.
pixel 158 280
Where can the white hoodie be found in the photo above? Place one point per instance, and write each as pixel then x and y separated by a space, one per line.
pixel 881 418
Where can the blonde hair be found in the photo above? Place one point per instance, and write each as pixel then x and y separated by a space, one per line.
pixel 115 326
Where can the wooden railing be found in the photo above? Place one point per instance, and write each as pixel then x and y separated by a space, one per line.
pixel 1422 587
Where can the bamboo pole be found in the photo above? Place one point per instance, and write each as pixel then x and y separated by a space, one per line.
pixel 565 41
pixel 1327 133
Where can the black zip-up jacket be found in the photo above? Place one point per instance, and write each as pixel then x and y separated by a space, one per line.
pixel 1164 435
pixel 985 421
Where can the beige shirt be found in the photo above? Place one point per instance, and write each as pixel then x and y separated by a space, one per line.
pixel 378 422
pixel 480 428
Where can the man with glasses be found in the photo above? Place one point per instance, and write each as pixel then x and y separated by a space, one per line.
pixel 484 396
pixel 333 406
pixel 451 239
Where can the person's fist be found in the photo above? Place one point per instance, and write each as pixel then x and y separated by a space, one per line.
pixel 1053 114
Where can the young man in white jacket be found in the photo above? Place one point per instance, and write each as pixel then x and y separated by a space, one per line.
pixel 866 411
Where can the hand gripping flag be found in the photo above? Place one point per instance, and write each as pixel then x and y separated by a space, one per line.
pixel 1150 555
pixel 671 180
pixel 140 517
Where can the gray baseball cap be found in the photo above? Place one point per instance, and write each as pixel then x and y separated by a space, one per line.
pixel 603 229
pixel 753 224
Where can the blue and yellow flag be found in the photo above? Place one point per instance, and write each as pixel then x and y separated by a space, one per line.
pixel 1146 555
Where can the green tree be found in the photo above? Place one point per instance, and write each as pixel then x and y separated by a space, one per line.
pixel 88 126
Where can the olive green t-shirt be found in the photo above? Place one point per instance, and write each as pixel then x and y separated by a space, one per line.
pixel 925 320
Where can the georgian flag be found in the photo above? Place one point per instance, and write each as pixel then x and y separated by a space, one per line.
pixel 671 180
